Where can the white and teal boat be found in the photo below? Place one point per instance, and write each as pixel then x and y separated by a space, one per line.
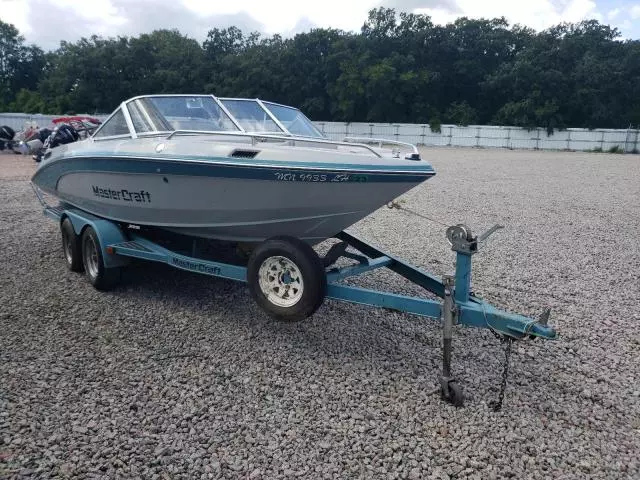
pixel 242 170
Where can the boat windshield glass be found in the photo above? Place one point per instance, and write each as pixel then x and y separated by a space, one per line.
pixel 114 126
pixel 294 120
pixel 250 115
pixel 154 114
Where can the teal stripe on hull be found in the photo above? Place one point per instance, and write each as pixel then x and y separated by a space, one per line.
pixel 421 167
pixel 50 172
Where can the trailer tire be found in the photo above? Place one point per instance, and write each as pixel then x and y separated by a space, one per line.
pixel 286 278
pixel 71 248
pixel 101 277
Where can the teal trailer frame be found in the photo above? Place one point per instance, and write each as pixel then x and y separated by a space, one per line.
pixel 459 306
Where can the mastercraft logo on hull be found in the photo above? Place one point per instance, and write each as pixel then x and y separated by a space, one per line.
pixel 122 194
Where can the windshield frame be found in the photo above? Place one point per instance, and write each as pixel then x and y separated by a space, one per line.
pixel 264 105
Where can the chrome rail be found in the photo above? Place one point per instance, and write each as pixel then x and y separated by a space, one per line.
pixel 255 137
pixel 380 142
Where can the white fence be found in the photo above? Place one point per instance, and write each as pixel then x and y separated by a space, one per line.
pixel 490 136
pixel 450 135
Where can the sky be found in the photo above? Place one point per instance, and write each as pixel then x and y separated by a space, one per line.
pixel 46 22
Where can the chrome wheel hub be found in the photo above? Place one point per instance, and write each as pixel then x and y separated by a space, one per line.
pixel 91 257
pixel 68 254
pixel 281 281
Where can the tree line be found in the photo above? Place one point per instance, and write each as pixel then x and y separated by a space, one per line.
pixel 398 68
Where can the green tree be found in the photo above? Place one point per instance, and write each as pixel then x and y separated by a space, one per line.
pixel 400 67
pixel 20 65
pixel 461 113
pixel 27 101
pixel 97 74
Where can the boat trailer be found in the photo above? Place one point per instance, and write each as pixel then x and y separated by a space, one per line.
pixel 112 245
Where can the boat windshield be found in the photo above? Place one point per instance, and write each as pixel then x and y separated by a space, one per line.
pixel 294 120
pixel 157 114
pixel 250 115
pixel 206 113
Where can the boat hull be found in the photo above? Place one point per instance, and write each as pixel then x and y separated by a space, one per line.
pixel 213 202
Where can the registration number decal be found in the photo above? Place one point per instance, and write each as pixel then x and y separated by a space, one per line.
pixel 318 177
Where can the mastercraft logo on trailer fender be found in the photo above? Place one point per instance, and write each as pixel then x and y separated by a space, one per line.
pixel 122 194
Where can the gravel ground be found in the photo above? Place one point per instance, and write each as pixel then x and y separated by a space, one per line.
pixel 177 375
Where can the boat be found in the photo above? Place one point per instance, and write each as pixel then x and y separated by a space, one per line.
pixel 232 169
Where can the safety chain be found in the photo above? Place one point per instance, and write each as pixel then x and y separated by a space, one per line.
pixel 497 405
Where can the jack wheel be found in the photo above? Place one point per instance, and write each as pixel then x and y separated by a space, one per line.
pixel 71 246
pixel 101 277
pixel 451 392
pixel 286 278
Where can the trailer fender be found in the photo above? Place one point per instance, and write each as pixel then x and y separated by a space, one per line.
pixel 108 234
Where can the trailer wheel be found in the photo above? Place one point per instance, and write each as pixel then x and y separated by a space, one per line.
pixel 71 246
pixel 101 278
pixel 286 278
